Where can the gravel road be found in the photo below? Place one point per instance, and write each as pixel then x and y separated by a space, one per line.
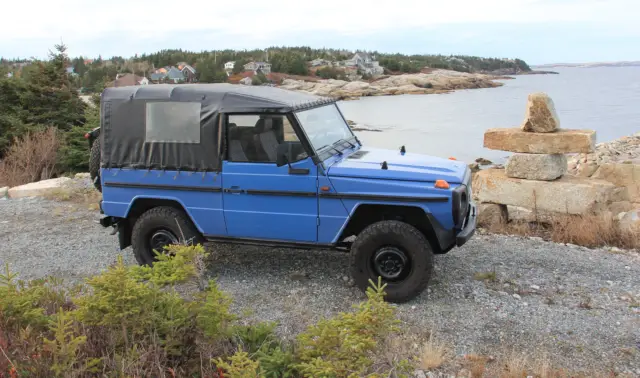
pixel 580 306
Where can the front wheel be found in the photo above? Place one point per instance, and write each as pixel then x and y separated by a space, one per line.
pixel 160 227
pixel 398 253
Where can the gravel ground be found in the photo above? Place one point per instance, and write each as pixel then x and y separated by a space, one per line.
pixel 578 305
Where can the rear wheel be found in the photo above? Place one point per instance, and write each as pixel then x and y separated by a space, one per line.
pixel 160 227
pixel 398 253
pixel 94 165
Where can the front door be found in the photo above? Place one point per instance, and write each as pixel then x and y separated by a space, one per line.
pixel 260 199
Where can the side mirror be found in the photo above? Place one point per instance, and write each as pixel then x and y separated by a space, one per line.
pixel 282 154
pixel 283 157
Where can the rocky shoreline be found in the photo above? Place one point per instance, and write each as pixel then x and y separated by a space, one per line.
pixel 624 150
pixel 434 82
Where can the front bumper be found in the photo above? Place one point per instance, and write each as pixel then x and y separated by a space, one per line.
pixel 469 227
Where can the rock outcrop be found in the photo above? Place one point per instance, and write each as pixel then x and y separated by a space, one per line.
pixel 541 116
pixel 569 194
pixel 491 213
pixel 625 150
pixel 622 175
pixel 560 142
pixel 438 81
pixel 39 188
pixel 630 220
pixel 544 167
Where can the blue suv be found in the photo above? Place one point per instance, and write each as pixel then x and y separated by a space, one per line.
pixel 261 165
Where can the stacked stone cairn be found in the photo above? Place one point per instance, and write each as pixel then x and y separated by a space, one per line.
pixel 534 178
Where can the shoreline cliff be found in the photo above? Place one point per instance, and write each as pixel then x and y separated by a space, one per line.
pixel 434 82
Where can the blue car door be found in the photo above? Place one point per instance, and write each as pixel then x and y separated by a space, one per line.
pixel 260 199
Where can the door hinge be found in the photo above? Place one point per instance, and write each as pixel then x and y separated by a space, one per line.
pixel 317 183
pixel 318 221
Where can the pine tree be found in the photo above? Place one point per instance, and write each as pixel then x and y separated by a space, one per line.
pixel 50 97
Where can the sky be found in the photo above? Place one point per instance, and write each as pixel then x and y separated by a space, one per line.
pixel 538 31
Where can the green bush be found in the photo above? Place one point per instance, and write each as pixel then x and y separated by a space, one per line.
pixel 132 321
pixel 342 346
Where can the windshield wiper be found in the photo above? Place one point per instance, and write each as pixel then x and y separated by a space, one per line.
pixel 345 141
pixel 337 150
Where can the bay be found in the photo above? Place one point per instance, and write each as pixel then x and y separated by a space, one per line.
pixel 604 99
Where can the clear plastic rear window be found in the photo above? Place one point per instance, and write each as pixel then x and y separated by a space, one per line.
pixel 173 122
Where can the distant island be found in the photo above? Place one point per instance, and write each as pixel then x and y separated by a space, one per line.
pixel 635 63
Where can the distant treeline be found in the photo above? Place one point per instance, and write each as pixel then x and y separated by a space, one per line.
pixel 93 74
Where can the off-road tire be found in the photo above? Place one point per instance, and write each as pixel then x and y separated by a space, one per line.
pixel 94 165
pixel 162 217
pixel 396 234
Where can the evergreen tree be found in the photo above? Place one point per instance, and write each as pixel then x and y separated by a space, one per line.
pixel 50 98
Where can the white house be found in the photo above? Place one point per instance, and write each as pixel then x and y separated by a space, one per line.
pixel 320 62
pixel 229 65
pixel 255 66
pixel 365 63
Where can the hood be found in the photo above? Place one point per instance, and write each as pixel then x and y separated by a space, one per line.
pixel 367 162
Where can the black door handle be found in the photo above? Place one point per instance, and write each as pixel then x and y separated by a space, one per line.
pixel 234 190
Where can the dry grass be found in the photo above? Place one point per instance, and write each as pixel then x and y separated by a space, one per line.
pixel 584 230
pixel 477 364
pixel 515 366
pixel 491 276
pixel 433 354
pixel 30 158
pixel 85 196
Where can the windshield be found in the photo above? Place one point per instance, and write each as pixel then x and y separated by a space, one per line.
pixel 324 126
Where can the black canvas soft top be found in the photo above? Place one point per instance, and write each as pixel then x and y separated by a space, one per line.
pixel 228 97
pixel 175 126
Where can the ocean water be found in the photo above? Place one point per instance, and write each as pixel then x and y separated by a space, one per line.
pixel 604 99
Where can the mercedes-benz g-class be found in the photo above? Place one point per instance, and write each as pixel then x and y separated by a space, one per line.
pixel 263 165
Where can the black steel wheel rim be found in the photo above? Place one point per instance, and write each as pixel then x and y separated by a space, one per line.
pixel 160 239
pixel 391 263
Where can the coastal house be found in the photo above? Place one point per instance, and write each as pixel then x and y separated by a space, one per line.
pixel 365 63
pixel 264 67
pixel 320 62
pixel 188 71
pixel 183 73
pixel 175 76
pixel 126 80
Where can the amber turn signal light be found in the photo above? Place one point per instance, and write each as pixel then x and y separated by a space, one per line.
pixel 452 158
pixel 441 184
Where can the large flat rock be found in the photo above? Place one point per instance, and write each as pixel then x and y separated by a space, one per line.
pixel 569 194
pixel 622 175
pixel 541 116
pixel 563 141
pixel 544 167
pixel 36 189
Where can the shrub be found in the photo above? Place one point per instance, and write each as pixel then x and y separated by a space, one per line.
pixel 75 151
pixel 131 321
pixel 330 73
pixel 30 158
pixel 342 346
pixel 239 366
